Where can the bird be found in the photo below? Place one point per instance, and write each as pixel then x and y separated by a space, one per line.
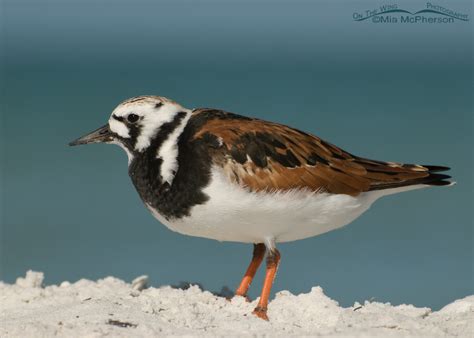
pixel 219 175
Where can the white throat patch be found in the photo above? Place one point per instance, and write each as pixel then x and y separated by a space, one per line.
pixel 129 154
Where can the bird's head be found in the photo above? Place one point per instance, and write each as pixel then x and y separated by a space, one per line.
pixel 135 123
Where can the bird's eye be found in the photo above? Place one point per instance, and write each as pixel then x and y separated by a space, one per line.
pixel 132 118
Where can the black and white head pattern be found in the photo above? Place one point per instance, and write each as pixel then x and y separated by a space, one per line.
pixel 144 122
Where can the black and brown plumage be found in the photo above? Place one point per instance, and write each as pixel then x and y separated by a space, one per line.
pixel 219 175
pixel 268 156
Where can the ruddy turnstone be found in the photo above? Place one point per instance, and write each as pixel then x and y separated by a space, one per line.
pixel 214 174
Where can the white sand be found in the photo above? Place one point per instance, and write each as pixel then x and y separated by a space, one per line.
pixel 111 307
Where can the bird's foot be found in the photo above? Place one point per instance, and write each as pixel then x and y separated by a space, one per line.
pixel 261 312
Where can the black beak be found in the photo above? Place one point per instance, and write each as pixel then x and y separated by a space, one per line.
pixel 101 135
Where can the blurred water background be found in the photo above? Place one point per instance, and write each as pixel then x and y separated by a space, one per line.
pixel 399 92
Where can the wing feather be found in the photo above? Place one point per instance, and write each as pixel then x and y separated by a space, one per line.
pixel 266 156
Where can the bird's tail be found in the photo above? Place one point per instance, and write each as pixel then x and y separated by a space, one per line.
pixel 414 175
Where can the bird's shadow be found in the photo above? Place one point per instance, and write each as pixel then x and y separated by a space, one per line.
pixel 225 291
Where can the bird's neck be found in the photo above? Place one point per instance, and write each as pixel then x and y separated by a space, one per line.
pixel 158 163
pixel 174 154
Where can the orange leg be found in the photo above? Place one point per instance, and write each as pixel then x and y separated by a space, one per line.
pixel 273 260
pixel 258 254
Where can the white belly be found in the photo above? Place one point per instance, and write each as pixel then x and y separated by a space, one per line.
pixel 234 214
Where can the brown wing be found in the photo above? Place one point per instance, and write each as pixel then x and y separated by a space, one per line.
pixel 265 156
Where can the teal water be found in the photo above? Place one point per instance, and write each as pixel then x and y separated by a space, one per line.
pixel 384 91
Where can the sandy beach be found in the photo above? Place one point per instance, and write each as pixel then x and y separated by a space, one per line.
pixel 112 307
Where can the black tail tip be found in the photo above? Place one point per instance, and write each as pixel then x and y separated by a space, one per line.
pixel 441 183
pixel 439 180
pixel 436 168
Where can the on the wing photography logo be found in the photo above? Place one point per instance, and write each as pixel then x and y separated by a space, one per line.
pixel 431 14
